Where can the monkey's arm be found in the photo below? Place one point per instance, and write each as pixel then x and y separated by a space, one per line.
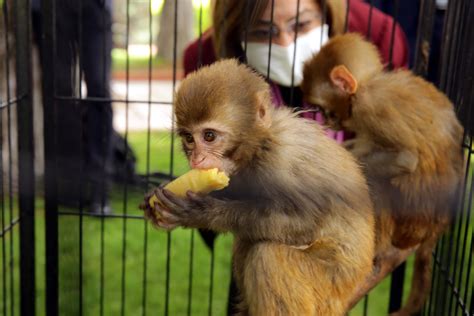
pixel 380 162
pixel 387 128
pixel 390 163
pixel 396 151
pixel 255 220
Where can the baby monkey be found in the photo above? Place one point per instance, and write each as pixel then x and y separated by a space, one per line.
pixel 408 140
pixel 297 203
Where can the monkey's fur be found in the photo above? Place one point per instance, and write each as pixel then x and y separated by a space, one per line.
pixel 408 139
pixel 297 203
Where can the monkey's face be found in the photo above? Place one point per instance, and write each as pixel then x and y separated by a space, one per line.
pixel 206 146
pixel 222 113
pixel 332 119
pixel 334 106
pixel 338 113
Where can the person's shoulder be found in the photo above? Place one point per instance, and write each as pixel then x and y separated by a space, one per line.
pixel 378 26
pixel 362 16
pixel 198 53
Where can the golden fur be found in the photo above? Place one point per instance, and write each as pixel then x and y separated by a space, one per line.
pixel 290 186
pixel 407 138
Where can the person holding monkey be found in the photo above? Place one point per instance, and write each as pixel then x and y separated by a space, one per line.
pixel 248 30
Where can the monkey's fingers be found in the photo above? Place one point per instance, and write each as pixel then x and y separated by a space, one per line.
pixel 152 215
pixel 171 202
pixel 193 196
pixel 168 217
pixel 165 225
pixel 159 220
pixel 143 206
pixel 160 223
pixel 198 200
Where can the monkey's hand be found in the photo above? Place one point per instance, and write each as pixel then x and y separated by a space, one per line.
pixel 407 160
pixel 406 163
pixel 153 214
pixel 190 211
pixel 349 144
pixel 358 147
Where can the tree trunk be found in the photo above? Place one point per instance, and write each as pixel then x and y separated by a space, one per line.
pixel 185 28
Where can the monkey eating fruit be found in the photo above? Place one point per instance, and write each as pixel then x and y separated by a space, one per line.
pixel 298 204
pixel 195 180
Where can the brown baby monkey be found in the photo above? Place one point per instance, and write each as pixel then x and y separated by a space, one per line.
pixel 297 203
pixel 408 140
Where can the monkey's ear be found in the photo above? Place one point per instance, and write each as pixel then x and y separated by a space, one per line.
pixel 343 79
pixel 263 116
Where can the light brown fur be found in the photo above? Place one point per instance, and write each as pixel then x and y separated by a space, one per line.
pixel 407 138
pixel 290 186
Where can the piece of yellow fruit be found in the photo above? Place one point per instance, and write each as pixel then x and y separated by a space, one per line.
pixel 195 180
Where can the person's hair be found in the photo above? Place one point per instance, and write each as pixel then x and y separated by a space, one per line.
pixel 231 17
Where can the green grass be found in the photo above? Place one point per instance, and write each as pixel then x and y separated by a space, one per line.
pixel 111 234
pixel 118 235
pixel 156 269
pixel 134 263
pixel 159 152
pixel 119 61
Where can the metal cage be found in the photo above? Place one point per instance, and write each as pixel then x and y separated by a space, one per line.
pixel 48 250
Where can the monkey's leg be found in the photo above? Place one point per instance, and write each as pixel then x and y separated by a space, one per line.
pixel 280 280
pixel 410 230
pixel 386 264
pixel 240 253
pixel 421 282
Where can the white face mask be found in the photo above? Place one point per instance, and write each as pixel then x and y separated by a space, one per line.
pixel 281 59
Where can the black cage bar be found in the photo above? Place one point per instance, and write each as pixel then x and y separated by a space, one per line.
pixel 109 263
pixel 17 168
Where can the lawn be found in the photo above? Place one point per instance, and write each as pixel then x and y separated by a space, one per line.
pixel 115 252
pixel 123 261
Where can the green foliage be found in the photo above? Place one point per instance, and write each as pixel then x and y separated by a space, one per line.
pixel 119 60
pixel 139 34
pixel 203 17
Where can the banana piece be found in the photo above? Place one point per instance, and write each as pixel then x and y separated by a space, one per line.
pixel 195 180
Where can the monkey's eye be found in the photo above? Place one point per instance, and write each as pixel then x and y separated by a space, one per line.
pixel 188 138
pixel 209 136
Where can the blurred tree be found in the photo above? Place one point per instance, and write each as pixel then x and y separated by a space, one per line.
pixel 184 31
pixel 8 115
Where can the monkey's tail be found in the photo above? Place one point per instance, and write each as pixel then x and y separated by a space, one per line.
pixel 421 282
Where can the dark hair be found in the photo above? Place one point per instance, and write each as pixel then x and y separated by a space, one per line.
pixel 230 17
